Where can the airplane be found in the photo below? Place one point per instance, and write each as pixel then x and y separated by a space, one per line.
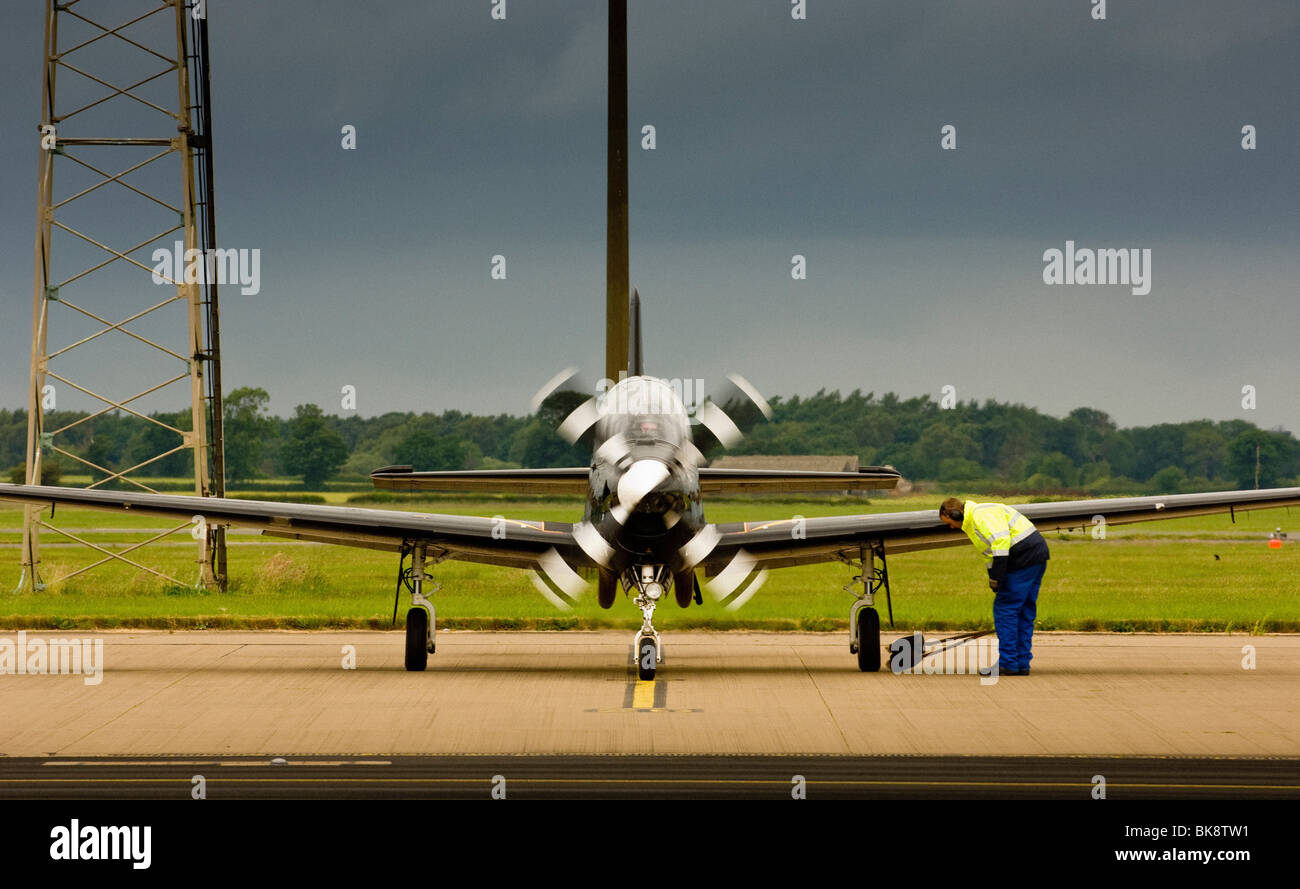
pixel 643 526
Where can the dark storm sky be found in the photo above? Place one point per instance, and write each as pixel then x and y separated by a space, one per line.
pixel 774 137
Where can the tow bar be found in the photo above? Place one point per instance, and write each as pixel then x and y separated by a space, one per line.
pixel 906 652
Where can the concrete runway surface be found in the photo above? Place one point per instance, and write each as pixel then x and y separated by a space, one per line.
pixel 735 713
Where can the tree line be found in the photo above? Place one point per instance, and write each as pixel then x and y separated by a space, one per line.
pixel 970 443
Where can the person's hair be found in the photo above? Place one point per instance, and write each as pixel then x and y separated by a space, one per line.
pixel 953 509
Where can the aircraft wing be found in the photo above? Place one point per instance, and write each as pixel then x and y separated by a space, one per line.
pixel 573 480
pixel 567 480
pixel 762 481
pixel 799 541
pixel 493 541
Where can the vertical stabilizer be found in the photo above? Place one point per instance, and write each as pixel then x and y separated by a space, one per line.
pixel 634 365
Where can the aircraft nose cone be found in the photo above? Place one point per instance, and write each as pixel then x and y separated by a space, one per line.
pixel 640 479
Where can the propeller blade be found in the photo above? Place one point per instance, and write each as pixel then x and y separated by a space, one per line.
pixel 566 404
pixel 555 579
pixel 551 595
pixel 729 412
pixel 738 582
pixel 755 397
pixel 550 387
pixel 715 420
pixel 596 547
pixel 576 424
pixel 639 480
pixel 613 450
pixel 697 549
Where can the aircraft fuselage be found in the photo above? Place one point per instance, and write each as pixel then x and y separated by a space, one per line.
pixel 644 494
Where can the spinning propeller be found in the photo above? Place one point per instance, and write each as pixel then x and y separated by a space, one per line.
pixel 650 449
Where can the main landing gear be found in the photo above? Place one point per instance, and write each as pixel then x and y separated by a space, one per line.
pixel 864 621
pixel 421 618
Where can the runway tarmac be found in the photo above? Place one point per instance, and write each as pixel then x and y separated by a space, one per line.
pixel 738 707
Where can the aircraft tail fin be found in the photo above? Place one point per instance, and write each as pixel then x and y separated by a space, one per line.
pixel 635 367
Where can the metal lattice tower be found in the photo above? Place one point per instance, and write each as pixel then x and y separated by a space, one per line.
pixel 135 176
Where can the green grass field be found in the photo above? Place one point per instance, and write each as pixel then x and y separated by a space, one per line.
pixel 1158 576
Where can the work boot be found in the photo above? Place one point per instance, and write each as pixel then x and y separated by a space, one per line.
pixel 998 669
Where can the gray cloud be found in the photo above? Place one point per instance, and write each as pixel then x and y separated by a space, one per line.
pixel 774 137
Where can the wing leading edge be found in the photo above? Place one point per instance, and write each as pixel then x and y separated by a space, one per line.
pixel 566 480
pixel 798 541
pixel 572 480
pixel 759 481
pixel 493 541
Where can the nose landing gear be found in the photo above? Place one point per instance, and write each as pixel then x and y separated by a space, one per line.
pixel 647 647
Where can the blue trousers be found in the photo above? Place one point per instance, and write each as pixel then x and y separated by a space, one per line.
pixel 1014 610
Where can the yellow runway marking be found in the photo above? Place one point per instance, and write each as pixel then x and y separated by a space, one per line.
pixel 643 694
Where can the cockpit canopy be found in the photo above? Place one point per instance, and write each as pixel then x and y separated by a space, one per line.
pixel 643 409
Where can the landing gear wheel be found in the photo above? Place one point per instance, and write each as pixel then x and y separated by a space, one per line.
pixel 417 640
pixel 684 588
pixel 868 640
pixel 606 589
pixel 647 658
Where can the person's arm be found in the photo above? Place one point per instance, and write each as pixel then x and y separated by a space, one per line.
pixel 1000 549
pixel 998 571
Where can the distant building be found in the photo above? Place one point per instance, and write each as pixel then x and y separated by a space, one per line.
pixel 802 462
pixel 806 463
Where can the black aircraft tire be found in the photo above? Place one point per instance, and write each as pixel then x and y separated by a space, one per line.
pixel 646 653
pixel 684 588
pixel 868 640
pixel 606 589
pixel 417 640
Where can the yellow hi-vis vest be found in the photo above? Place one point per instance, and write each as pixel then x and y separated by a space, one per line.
pixel 994 528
